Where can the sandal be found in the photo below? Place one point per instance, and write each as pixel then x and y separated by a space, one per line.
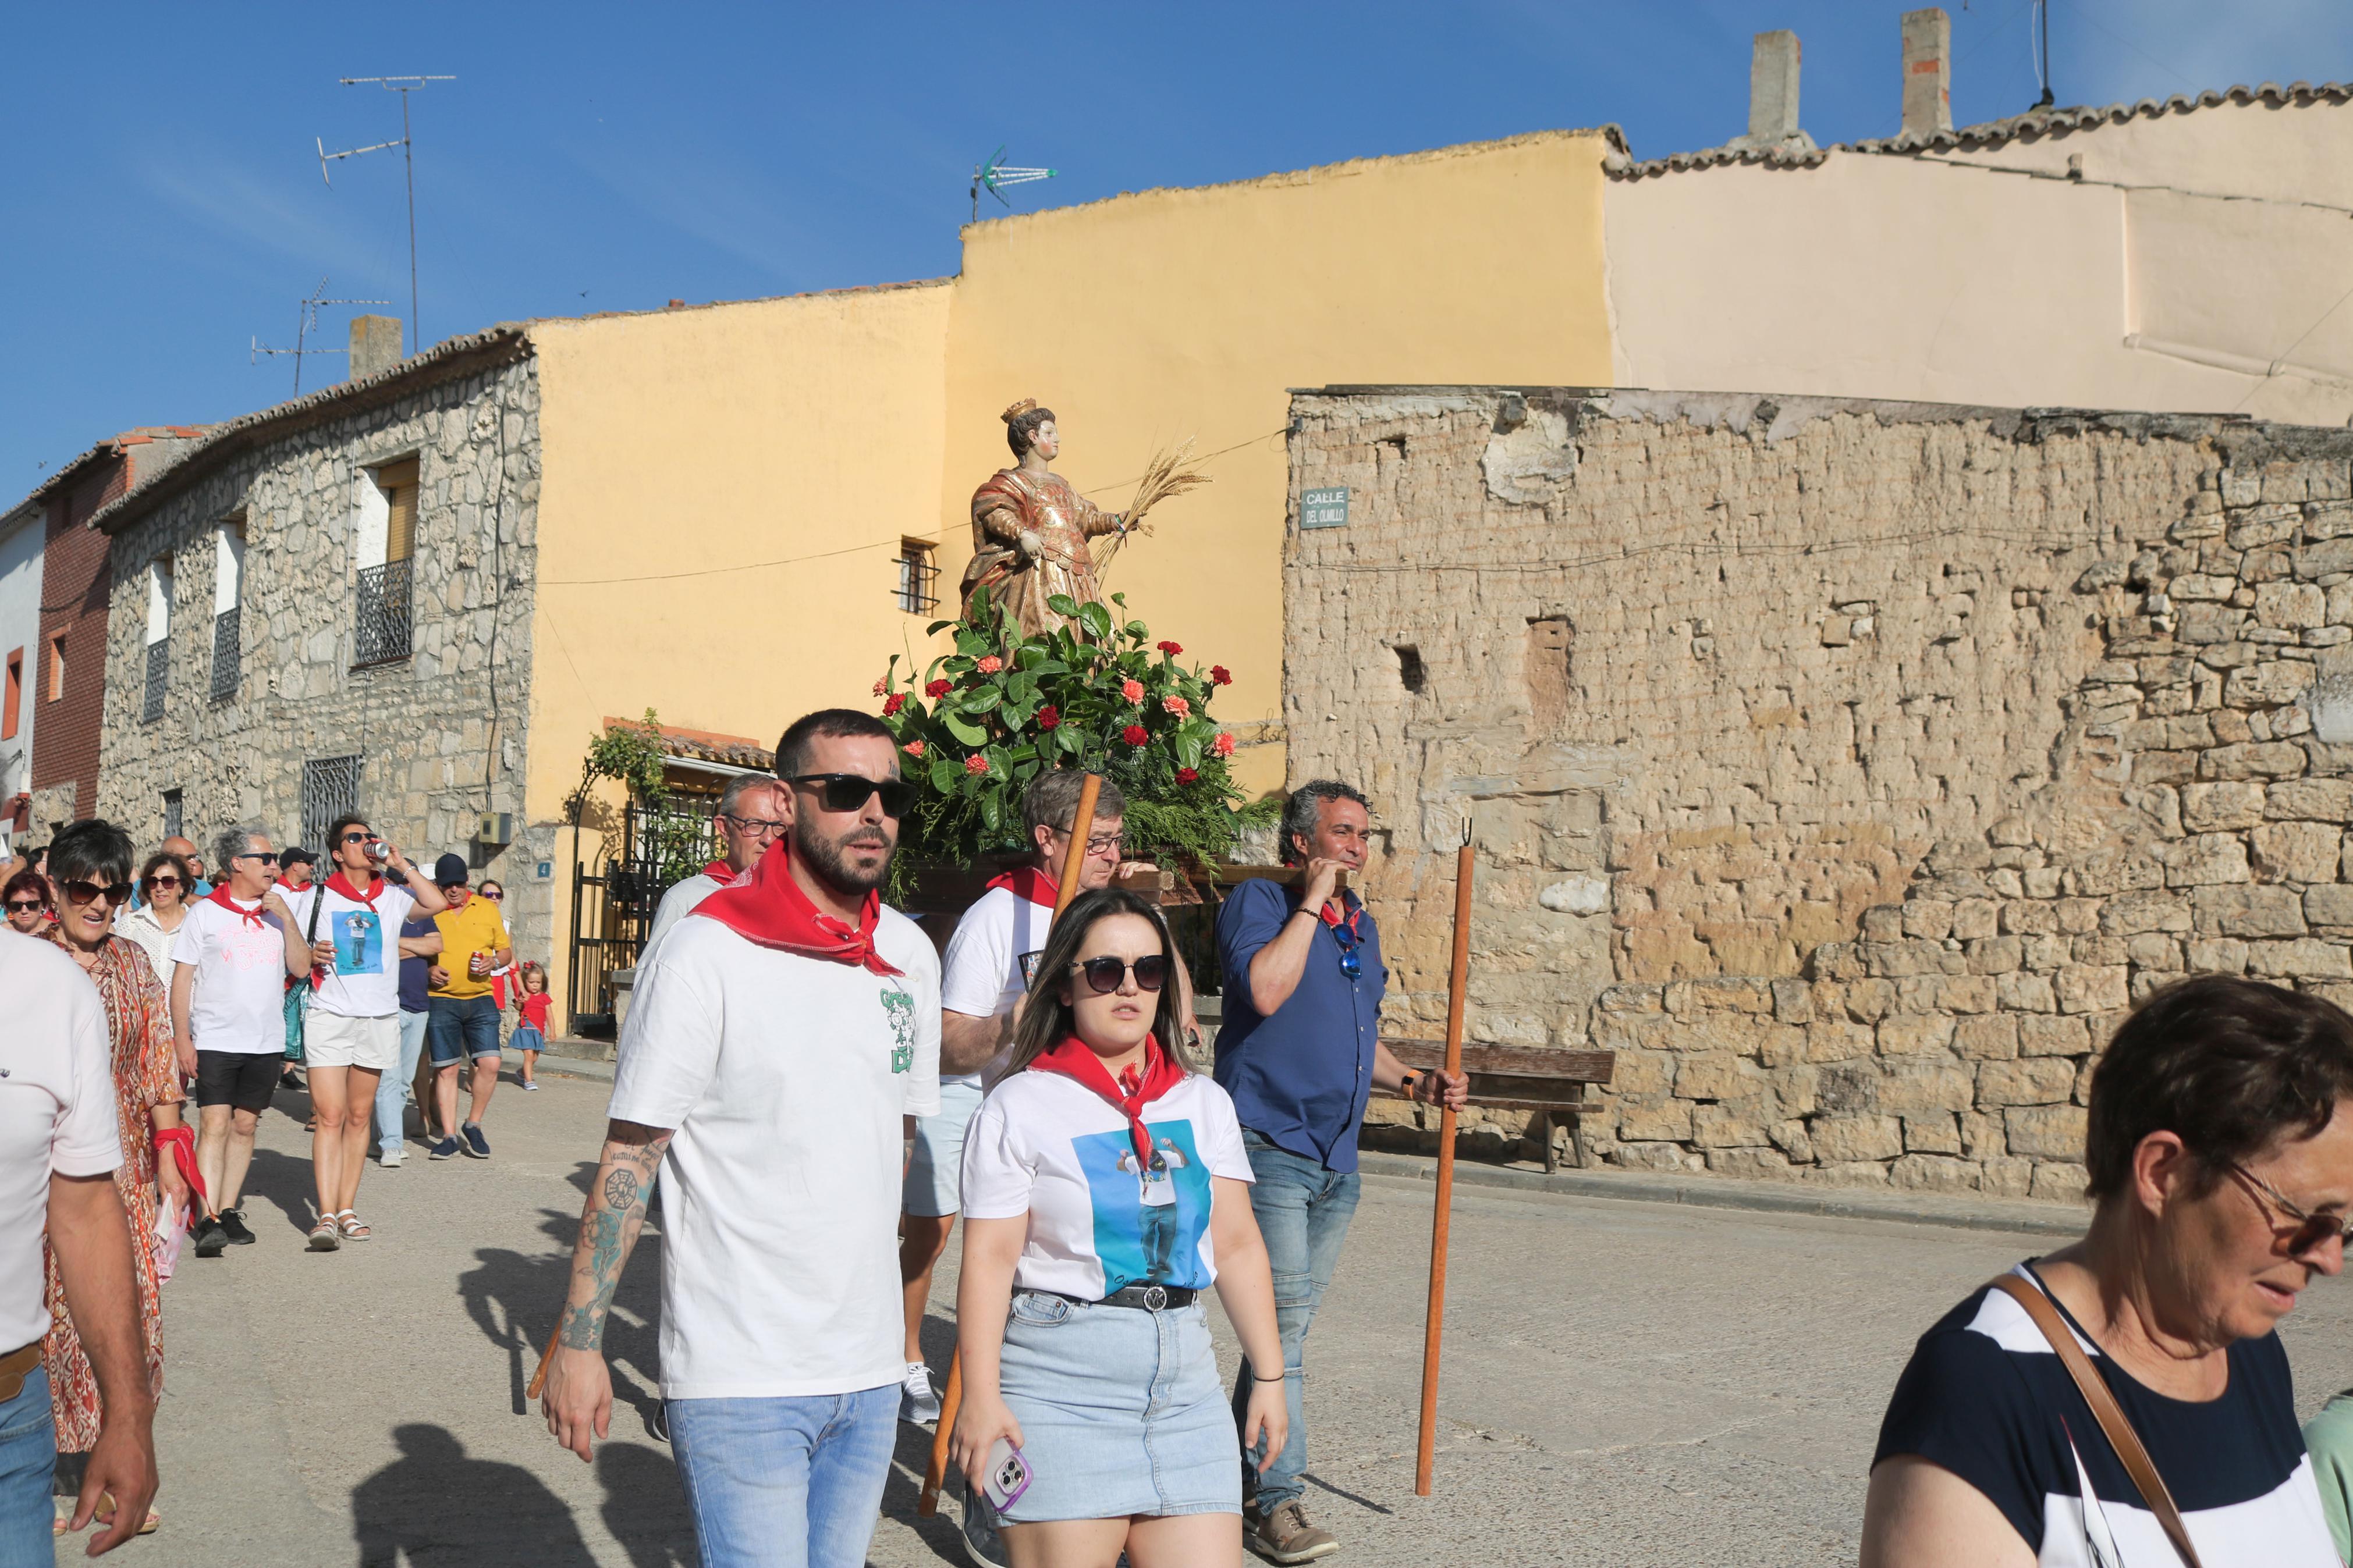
pixel 326 1235
pixel 105 1515
pixel 354 1227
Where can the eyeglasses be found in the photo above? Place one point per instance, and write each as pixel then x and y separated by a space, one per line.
pixel 1098 843
pixel 1106 973
pixel 266 857
pixel 762 828
pixel 163 881
pixel 25 906
pixel 1350 964
pixel 2310 1229
pixel 494 897
pixel 849 791
pixel 81 892
pixel 357 838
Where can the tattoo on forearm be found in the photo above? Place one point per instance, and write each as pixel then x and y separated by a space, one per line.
pixel 614 1215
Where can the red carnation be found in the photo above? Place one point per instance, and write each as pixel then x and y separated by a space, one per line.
pixel 1049 717
pixel 936 690
pixel 913 748
pixel 988 664
pixel 1135 735
pixel 893 703
pixel 1220 676
pixel 1172 648
pixel 881 687
pixel 1186 775
pixel 975 763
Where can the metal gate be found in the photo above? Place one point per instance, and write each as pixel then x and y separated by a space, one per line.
pixel 614 897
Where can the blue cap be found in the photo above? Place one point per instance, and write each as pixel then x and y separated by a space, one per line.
pixel 449 871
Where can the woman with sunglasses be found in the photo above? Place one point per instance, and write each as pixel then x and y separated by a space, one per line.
pixel 27 899
pixel 91 864
pixel 2219 1149
pixel 1104 1192
pixel 152 919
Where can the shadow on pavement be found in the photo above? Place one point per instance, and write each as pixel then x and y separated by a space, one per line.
pixel 283 1182
pixel 434 1504
pixel 513 1299
pixel 645 1506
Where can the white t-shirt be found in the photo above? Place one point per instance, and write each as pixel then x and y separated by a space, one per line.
pixel 365 980
pixel 1048 1146
pixel 785 1078
pixel 57 1112
pixel 982 977
pixel 239 1000
pixel 676 905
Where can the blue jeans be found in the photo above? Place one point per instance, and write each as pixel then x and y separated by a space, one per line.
pixel 28 1464
pixel 461 1026
pixel 1304 1209
pixel 392 1094
pixel 787 1482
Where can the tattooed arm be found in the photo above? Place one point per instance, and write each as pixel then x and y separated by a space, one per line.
pixel 578 1399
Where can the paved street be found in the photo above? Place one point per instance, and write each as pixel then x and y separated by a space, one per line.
pixel 1626 1383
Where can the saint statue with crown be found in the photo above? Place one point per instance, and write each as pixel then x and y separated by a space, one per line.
pixel 1030 529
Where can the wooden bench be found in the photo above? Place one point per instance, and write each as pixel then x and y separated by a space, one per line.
pixel 1513 1078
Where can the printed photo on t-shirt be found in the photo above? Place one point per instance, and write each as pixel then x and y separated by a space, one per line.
pixel 359 941
pixel 1149 1219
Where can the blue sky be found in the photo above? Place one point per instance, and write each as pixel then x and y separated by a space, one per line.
pixel 163 206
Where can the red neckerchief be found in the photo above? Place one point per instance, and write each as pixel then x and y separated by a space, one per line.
pixel 1355 908
pixel 178 1144
pixel 769 908
pixel 341 886
pixel 719 871
pixel 1131 1094
pixel 1028 882
pixel 219 895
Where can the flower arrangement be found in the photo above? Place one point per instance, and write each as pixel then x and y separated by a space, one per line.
pixel 988 718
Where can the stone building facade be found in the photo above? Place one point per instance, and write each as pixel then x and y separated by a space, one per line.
pixel 313 681
pixel 1846 768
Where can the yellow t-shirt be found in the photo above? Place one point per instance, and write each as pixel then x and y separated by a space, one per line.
pixel 477 928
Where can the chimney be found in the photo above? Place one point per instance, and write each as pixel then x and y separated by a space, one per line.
pixel 375 344
pixel 1928 71
pixel 1773 96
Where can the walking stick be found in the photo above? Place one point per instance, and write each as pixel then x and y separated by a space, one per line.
pixel 952 1396
pixel 1431 1327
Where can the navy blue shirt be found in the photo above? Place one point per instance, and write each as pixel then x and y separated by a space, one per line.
pixel 412 970
pixel 1300 1078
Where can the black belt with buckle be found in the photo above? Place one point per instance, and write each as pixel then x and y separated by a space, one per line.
pixel 13 1367
pixel 1151 1297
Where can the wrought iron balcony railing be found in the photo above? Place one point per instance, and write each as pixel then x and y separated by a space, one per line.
pixel 159 673
pixel 381 636
pixel 226 653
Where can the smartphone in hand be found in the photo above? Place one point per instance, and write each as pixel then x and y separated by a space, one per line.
pixel 1007 1477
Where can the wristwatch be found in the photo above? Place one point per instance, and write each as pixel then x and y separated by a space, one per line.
pixel 1407 1084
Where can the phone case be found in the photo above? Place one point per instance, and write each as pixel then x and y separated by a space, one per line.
pixel 1006 1478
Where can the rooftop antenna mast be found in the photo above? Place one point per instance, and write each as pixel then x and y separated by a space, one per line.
pixel 403 85
pixel 2044 8
pixel 306 322
pixel 994 174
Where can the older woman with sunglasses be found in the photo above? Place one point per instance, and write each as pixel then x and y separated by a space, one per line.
pixel 1105 1190
pixel 27 899
pixel 2219 1152
pixel 91 862
pixel 154 918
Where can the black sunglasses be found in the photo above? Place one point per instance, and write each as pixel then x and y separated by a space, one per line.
pixel 164 881
pixel 848 791
pixel 266 857
pixel 1104 974
pixel 81 892
pixel 24 906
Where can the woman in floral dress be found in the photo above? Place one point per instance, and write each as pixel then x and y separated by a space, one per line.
pixel 91 864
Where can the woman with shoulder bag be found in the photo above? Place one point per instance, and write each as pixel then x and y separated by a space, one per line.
pixel 2126 1400
pixel 1104 1194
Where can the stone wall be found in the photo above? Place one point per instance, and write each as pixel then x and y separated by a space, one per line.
pixel 442 732
pixel 1846 768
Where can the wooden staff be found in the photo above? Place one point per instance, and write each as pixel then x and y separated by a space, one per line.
pixel 1434 1323
pixel 952 1396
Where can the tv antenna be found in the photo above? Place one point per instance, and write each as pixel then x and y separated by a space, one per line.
pixel 2043 60
pixel 403 85
pixel 994 174
pixel 306 322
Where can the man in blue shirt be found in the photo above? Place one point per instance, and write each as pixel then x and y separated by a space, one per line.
pixel 1300 1054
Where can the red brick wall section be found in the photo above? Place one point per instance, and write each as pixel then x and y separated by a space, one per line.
pixel 74 589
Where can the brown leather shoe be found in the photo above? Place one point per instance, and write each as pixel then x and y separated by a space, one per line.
pixel 1284 1536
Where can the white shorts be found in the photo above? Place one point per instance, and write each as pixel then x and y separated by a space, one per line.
pixel 331 1040
pixel 936 1169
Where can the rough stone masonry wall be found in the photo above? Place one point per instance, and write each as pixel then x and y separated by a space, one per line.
pixel 443 731
pixel 1847 769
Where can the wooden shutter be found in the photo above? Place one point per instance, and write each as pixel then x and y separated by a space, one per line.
pixel 398 483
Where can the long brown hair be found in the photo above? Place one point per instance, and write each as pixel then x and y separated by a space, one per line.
pixel 1048 1019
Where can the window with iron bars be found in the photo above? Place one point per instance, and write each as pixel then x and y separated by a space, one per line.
pixel 381 633
pixel 330 786
pixel 225 651
pixel 919 577
pixel 159 675
pixel 174 813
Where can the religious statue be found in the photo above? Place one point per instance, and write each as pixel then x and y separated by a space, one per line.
pixel 1030 529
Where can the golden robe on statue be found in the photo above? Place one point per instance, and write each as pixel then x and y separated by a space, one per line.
pixel 1029 536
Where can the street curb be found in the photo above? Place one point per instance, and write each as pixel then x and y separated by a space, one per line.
pixel 572 1067
pixel 1736 1193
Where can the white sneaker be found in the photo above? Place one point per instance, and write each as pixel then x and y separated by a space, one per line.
pixel 917 1403
pixel 390 1156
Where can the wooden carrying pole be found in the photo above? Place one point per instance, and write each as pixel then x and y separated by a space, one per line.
pixel 952 1396
pixel 1434 1324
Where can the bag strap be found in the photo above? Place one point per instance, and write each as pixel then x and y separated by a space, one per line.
pixel 2104 1409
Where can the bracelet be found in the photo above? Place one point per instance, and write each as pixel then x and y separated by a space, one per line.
pixel 1254 1372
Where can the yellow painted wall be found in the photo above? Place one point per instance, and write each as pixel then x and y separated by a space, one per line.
pixel 1172 313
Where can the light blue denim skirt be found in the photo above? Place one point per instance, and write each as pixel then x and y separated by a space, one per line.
pixel 1121 1411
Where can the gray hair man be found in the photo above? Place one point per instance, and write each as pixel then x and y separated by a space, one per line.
pixel 747 819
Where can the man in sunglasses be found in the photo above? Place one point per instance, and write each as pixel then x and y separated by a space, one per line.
pixel 749 818
pixel 780 1037
pixel 230 961
pixel 1300 1052
pixel 462 1016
